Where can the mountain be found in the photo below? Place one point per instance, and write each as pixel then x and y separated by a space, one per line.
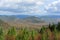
pixel 33 19
pixel 51 18
pixel 18 20
pixel 21 18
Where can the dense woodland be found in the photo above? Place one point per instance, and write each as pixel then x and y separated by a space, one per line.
pixel 52 32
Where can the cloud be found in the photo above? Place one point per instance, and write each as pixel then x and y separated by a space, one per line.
pixel 31 7
pixel 54 7
pixel 21 6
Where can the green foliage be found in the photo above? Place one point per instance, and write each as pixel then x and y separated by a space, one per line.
pixel 58 26
pixel 27 34
pixel 12 31
pixel 1 31
pixel 1 34
pixel 42 29
pixel 23 35
pixel 52 27
pixel 43 33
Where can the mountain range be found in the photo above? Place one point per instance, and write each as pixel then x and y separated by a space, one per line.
pixel 18 20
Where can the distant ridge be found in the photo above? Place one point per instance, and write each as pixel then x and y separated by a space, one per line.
pixel 28 19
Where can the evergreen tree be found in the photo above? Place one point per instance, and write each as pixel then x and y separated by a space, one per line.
pixel 58 26
pixel 51 27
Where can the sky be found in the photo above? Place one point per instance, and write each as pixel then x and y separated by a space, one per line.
pixel 30 7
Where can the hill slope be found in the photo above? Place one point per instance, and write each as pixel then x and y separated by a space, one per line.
pixel 4 24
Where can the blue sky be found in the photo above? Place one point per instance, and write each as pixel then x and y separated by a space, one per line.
pixel 30 7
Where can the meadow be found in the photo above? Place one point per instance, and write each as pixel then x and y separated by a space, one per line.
pixel 52 32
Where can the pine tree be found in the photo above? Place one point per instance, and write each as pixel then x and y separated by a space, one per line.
pixel 51 27
pixel 58 26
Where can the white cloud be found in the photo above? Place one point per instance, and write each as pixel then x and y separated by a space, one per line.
pixel 8 1
pixel 29 1
pixel 53 4
pixel 25 6
pixel 39 3
pixel 53 7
